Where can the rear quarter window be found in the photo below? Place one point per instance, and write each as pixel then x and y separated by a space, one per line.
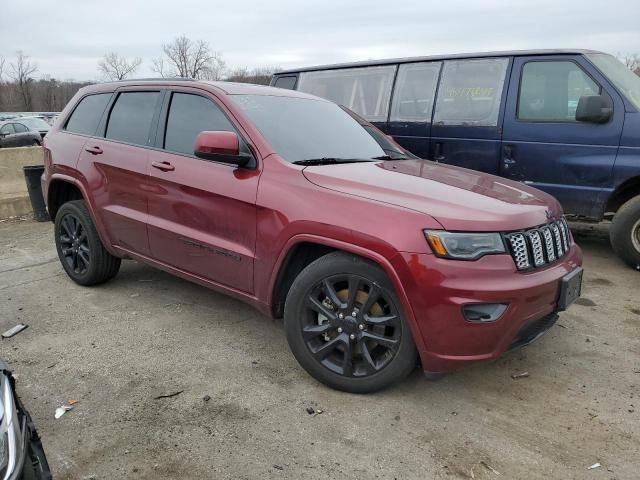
pixel 87 114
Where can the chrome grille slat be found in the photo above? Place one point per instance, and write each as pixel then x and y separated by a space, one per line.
pixel 540 246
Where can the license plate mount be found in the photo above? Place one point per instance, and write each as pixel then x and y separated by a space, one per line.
pixel 570 289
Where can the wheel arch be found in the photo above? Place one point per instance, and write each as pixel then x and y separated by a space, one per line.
pixel 623 193
pixel 301 250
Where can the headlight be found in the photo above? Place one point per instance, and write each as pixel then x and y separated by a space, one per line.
pixel 464 246
pixel 9 429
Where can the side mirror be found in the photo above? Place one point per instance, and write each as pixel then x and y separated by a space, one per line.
pixel 220 147
pixel 594 109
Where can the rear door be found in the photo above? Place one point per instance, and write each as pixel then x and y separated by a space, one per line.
pixel 202 214
pixel 23 136
pixel 115 162
pixel 545 146
pixel 467 119
pixel 412 106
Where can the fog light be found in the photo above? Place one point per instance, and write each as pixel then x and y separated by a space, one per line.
pixel 483 312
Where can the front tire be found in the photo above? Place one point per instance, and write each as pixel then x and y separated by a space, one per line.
pixel 80 249
pixel 624 232
pixel 346 327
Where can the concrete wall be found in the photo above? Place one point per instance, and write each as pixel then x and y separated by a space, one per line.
pixel 14 198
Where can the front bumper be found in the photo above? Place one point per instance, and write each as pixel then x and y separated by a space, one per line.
pixel 438 289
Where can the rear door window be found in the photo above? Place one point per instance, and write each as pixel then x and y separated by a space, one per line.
pixel 188 116
pixel 470 92
pixel 131 117
pixel 19 128
pixel 414 92
pixel 550 90
pixel 86 116
pixel 286 82
pixel 366 91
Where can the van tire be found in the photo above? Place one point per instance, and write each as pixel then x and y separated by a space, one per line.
pixel 624 232
pixel 102 266
pixel 360 376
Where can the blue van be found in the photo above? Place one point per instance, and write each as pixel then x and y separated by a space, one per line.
pixel 564 121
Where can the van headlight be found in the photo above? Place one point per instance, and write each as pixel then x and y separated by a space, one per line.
pixel 464 246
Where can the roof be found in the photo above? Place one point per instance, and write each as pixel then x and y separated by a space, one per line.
pixel 430 58
pixel 229 88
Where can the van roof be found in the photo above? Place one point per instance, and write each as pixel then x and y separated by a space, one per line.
pixel 391 61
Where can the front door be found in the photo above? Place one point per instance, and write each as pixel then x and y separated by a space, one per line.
pixel 467 120
pixel 545 146
pixel 202 214
pixel 8 135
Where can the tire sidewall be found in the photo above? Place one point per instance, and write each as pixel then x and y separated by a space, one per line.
pixel 621 231
pixel 335 264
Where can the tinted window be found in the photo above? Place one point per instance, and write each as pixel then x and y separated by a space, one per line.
pixel 19 128
pixel 131 117
pixel 551 90
pixel 86 116
pixel 414 92
pixel 470 92
pixel 188 116
pixel 366 91
pixel 301 128
pixel 285 82
pixel 7 129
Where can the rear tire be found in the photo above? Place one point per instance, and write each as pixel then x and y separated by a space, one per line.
pixel 624 233
pixel 346 327
pixel 79 247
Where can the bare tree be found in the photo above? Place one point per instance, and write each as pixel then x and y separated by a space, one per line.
pixel 258 75
pixel 185 58
pixel 21 72
pixel 115 67
pixel 1 68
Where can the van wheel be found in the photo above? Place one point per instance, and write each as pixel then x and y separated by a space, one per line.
pixel 624 233
pixel 345 325
pixel 80 249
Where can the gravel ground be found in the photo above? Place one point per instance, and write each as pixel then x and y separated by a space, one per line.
pixel 242 412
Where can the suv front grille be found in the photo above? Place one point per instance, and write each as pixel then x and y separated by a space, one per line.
pixel 540 246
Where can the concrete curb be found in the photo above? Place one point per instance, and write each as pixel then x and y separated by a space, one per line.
pixel 14 198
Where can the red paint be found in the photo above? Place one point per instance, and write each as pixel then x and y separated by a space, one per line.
pixel 230 229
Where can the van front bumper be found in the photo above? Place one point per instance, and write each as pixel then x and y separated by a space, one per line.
pixel 438 290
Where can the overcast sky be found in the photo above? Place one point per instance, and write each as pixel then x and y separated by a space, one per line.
pixel 67 38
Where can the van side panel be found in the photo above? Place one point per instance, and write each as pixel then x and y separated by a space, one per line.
pixel 627 166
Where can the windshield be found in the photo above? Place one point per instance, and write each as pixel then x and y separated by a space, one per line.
pixel 307 129
pixel 34 123
pixel 624 79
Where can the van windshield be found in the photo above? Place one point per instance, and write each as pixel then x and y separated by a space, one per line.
pixel 624 79
pixel 303 129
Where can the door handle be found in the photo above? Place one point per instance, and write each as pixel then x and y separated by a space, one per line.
pixel 95 150
pixel 164 166
pixel 508 152
pixel 437 153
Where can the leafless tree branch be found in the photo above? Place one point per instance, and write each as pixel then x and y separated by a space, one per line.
pixel 114 67
pixel 189 59
pixel 21 72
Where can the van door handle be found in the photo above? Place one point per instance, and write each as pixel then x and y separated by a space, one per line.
pixel 507 155
pixel 164 166
pixel 95 150
pixel 437 153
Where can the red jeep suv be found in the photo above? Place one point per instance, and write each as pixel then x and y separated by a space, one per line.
pixel 293 204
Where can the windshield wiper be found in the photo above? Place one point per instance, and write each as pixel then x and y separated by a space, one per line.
pixel 390 157
pixel 327 161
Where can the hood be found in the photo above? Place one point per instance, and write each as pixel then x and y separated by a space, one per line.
pixel 458 198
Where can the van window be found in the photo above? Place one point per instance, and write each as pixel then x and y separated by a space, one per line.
pixel 470 92
pixel 285 82
pixel 131 117
pixel 86 116
pixel 366 91
pixel 624 79
pixel 414 92
pixel 550 90
pixel 188 116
